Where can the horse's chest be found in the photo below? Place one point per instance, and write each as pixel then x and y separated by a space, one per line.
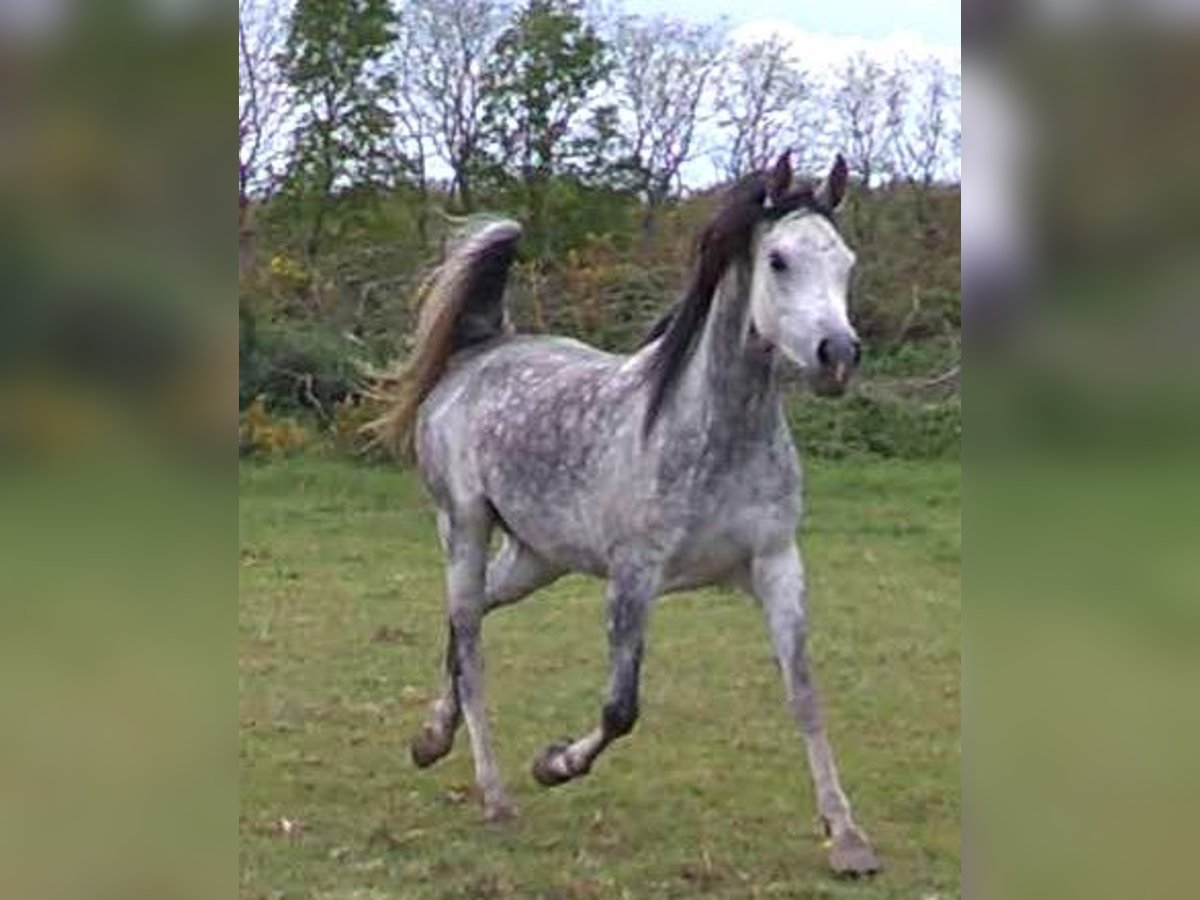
pixel 728 483
pixel 722 519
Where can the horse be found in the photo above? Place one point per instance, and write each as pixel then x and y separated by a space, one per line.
pixel 662 471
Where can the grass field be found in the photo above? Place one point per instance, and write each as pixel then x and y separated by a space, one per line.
pixel 341 635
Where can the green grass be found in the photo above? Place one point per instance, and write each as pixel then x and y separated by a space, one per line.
pixel 341 636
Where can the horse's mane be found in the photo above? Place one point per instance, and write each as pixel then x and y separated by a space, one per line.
pixel 723 242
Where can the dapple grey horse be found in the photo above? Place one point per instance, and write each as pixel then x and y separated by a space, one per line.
pixel 661 471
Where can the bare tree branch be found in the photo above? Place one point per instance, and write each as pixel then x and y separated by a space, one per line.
pixel 861 113
pixel 264 102
pixel 761 93
pixel 663 77
pixel 444 50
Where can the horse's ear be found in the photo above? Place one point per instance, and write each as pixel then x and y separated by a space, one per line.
pixel 832 191
pixel 779 182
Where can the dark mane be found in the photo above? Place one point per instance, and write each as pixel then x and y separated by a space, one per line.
pixel 723 242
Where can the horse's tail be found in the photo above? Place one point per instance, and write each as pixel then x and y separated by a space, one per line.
pixel 461 304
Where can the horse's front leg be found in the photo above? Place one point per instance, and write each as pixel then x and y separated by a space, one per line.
pixel 777 579
pixel 631 592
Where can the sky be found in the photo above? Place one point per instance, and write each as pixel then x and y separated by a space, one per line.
pixel 935 22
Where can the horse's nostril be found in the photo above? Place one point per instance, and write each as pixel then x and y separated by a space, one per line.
pixel 839 351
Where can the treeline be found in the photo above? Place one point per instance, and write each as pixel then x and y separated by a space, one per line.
pixel 365 127
pixel 493 102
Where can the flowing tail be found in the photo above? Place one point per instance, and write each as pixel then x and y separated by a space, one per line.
pixel 462 304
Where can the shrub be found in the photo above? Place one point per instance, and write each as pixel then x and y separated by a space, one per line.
pixel 261 434
pixel 877 425
pixel 911 359
pixel 346 431
pixel 596 294
pixel 295 368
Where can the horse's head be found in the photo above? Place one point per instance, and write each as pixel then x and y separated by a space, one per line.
pixel 801 275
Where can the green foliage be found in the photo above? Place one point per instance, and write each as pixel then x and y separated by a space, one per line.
pixel 911 359
pixel 295 368
pixel 907 282
pixel 595 293
pixel 341 140
pixel 546 64
pixel 580 212
pixel 346 436
pixel 874 424
pixel 261 434
pixel 603 284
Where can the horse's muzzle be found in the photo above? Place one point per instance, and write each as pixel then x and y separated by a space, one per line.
pixel 838 356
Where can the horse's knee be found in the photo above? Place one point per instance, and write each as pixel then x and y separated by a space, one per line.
pixel 464 627
pixel 619 718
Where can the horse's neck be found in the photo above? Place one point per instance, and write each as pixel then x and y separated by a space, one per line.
pixel 733 371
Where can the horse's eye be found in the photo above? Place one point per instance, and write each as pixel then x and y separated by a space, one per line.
pixel 778 263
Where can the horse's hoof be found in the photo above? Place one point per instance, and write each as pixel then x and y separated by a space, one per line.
pixel 498 812
pixel 549 767
pixel 851 856
pixel 430 745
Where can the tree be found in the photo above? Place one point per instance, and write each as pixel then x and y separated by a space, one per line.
pixel 663 72
pixel 861 117
pixel 545 66
pixel 933 127
pixel 263 108
pixel 896 86
pixel 444 49
pixel 920 97
pixel 412 111
pixel 757 104
pixel 342 137
pixel 860 109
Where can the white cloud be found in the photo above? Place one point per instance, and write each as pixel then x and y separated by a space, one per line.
pixel 821 52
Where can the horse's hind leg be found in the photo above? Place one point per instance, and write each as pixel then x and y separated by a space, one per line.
pixel 630 594
pixel 514 573
pixel 465 535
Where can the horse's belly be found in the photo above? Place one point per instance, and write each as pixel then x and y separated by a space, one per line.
pixel 554 535
pixel 715 561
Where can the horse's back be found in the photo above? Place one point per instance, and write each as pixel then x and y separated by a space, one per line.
pixel 536 427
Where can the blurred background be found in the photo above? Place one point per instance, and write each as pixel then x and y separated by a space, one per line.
pixel 1080 268
pixel 117 516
